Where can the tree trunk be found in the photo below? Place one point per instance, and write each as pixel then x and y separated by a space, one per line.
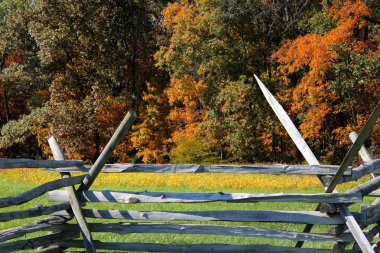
pixel 4 90
pixel 5 101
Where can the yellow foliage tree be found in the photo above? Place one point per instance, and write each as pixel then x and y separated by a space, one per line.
pixel 152 136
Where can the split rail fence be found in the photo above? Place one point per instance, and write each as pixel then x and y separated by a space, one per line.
pixel 67 227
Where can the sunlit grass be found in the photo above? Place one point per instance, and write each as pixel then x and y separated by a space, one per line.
pixel 15 181
pixel 202 181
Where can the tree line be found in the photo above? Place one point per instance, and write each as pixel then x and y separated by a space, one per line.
pixel 73 69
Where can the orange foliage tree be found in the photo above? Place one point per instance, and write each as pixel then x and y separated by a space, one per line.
pixel 186 89
pixel 152 137
pixel 210 47
pixel 309 65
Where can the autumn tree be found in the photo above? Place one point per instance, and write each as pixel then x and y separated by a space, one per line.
pixel 213 46
pixel 19 64
pixel 152 136
pixel 26 136
pixel 99 56
pixel 74 68
pixel 23 84
pixel 333 75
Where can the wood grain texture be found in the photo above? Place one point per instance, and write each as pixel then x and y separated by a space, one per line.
pixel 108 150
pixel 51 249
pixel 73 200
pixel 355 230
pixel 39 190
pixel 369 167
pixel 311 217
pixel 29 163
pixel 41 225
pixel 34 243
pixel 197 168
pixel 367 187
pixel 165 197
pixel 241 231
pixel 373 213
pixel 33 212
pixel 199 248
pixel 363 152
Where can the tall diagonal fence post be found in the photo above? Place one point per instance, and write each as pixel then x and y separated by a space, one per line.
pixel 363 152
pixel 288 125
pixel 353 151
pixel 366 157
pixel 73 199
pixel 307 153
pixel 361 239
pixel 107 151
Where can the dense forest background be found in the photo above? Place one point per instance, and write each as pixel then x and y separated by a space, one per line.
pixel 73 69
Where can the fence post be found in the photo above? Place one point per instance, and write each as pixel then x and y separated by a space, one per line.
pixel 288 125
pixel 365 156
pixel 363 152
pixel 74 202
pixel 356 231
pixel 107 151
pixel 355 147
pixel 310 158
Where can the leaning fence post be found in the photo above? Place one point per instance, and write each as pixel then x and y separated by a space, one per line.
pixel 353 151
pixel 288 125
pixel 365 156
pixel 363 152
pixel 307 153
pixel 107 151
pixel 73 198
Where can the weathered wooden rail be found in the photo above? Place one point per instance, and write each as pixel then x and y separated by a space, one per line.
pixel 63 233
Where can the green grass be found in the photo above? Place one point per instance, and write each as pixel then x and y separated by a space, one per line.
pixel 13 188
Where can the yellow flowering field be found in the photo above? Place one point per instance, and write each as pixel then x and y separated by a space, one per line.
pixel 202 181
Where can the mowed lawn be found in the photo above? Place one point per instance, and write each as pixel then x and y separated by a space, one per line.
pixel 17 181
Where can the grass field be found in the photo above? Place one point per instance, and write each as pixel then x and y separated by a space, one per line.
pixel 17 181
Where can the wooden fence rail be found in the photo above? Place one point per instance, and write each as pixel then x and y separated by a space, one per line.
pixel 198 168
pixel 62 232
pixel 29 163
pixel 351 174
pixel 297 217
pixel 38 191
pixel 41 225
pixel 201 248
pixel 37 242
pixel 240 231
pixel 170 197
pixel 33 212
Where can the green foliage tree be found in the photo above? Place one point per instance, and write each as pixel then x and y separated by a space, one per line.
pixel 239 112
pixel 74 68
pixel 26 137
pixel 192 149
pixel 23 83
pixel 21 77
pixel 99 55
pixel 212 47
